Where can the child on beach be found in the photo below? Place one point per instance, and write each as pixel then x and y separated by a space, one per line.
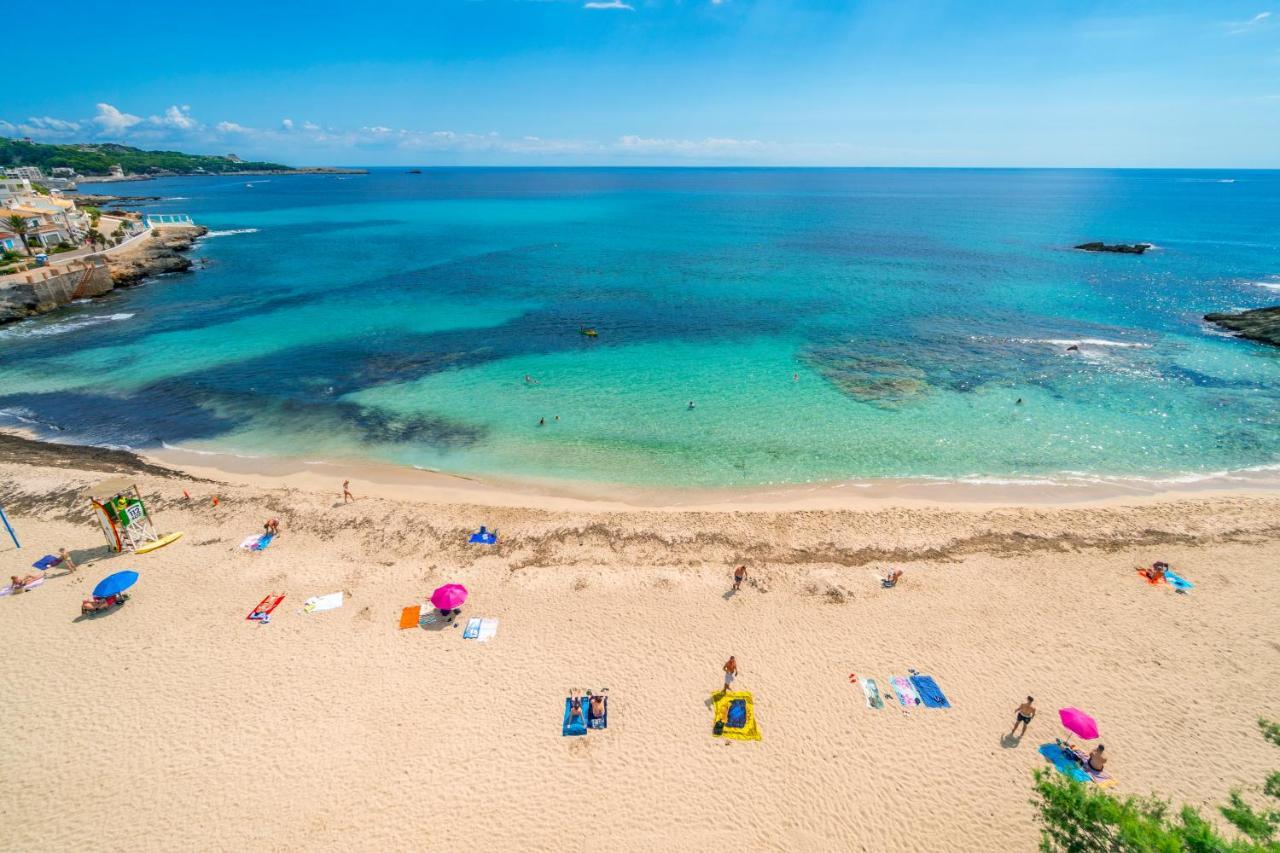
pixel 346 491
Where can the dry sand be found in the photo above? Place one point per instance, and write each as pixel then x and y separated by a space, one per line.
pixel 174 724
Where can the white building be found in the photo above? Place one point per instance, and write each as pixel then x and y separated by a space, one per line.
pixel 31 173
pixel 11 188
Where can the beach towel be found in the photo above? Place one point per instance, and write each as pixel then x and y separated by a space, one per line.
pixel 1065 764
pixel 257 542
pixel 8 590
pixel 872 692
pixel 907 695
pixel 271 602
pixel 1178 582
pixel 46 562
pixel 731 707
pixel 488 627
pixel 473 628
pixel 600 722
pixel 410 616
pixel 579 725
pixel 929 692
pixel 321 603
pixel 484 537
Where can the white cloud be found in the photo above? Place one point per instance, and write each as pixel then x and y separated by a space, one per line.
pixel 176 117
pixel 286 124
pixel 1237 27
pixel 112 120
pixel 310 125
pixel 611 4
pixel 232 127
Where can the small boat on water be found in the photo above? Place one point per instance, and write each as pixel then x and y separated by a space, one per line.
pixel 588 333
pixel 414 172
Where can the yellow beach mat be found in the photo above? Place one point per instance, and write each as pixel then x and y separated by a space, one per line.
pixel 159 543
pixel 749 729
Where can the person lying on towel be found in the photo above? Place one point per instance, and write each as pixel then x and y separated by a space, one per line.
pixel 892 580
pixel 597 706
pixel 575 708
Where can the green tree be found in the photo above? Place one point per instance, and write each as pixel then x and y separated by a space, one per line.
pixel 1081 818
pixel 18 225
pixel 95 238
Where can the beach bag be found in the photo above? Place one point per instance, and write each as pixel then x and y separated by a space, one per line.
pixel 737 714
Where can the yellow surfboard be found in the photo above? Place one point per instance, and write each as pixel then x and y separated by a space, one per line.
pixel 159 543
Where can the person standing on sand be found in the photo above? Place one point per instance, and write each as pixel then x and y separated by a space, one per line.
pixel 730 672
pixel 739 575
pixel 1025 713
pixel 64 560
pixel 346 492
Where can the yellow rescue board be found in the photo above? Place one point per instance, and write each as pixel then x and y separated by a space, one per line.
pixel 159 543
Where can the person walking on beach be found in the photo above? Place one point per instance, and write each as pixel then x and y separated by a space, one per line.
pixel 346 492
pixel 730 672
pixel 739 575
pixel 1026 711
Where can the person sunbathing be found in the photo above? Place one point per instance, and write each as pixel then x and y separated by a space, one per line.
pixel 20 584
pixel 892 580
pixel 575 707
pixel 92 605
pixel 597 706
pixel 1096 760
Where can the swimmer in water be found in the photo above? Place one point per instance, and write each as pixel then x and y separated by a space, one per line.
pixel 1019 403
pixel 690 404
pixel 542 421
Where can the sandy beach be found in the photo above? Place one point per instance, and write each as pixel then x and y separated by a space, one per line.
pixel 173 723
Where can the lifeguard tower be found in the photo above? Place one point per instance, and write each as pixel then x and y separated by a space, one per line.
pixel 124 518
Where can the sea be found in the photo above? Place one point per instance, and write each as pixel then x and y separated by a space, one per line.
pixel 686 328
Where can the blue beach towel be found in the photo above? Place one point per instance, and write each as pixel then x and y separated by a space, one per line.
pixel 578 726
pixel 45 562
pixel 473 628
pixel 484 537
pixel 1063 763
pixel 929 692
pixel 263 541
pixel 1178 582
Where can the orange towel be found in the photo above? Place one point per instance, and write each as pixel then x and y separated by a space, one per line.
pixel 1142 573
pixel 410 615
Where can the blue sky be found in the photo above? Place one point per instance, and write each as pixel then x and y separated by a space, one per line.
pixel 682 82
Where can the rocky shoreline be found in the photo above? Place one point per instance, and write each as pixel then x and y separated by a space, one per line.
pixel 161 253
pixel 46 290
pixel 1260 324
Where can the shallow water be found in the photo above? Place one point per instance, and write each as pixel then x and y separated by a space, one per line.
pixel 827 324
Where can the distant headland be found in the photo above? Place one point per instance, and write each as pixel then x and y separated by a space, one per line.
pixel 105 162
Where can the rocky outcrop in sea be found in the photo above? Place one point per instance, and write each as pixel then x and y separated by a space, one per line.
pixel 1117 248
pixel 1260 324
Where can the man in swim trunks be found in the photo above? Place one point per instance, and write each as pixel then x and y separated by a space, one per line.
pixel 1097 760
pixel 1026 711
pixel 739 575
pixel 597 706
pixel 575 707
pixel 730 672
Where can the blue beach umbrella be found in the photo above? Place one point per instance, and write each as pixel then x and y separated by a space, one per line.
pixel 115 584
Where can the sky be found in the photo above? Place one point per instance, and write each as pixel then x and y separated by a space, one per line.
pixel 671 82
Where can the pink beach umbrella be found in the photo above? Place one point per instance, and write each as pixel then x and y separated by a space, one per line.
pixel 1078 723
pixel 449 597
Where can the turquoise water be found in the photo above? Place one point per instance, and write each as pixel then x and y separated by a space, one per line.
pixel 828 325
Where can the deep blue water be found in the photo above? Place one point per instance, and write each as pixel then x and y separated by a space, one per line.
pixel 828 324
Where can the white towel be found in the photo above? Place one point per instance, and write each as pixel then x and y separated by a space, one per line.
pixel 488 627
pixel 252 542
pixel 320 603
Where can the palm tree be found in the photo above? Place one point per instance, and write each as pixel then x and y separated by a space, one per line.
pixel 95 238
pixel 19 227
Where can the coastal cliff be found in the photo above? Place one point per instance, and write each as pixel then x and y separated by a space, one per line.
pixel 160 253
pixel 48 289
pixel 1260 324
